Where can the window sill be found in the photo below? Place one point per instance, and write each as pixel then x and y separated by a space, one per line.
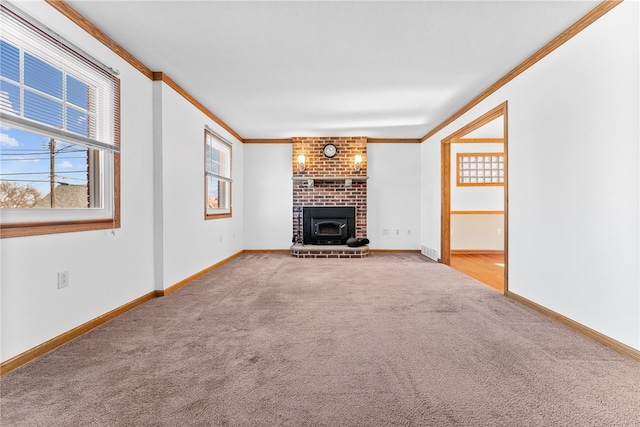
pixel 37 229
pixel 208 216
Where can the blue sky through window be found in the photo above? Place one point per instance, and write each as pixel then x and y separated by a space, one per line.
pixel 50 97
pixel 43 77
pixel 10 64
pixel 213 166
pixel 24 159
pixel 77 92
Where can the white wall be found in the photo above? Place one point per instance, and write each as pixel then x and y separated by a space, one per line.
pixel 574 169
pixel 164 237
pixel 105 270
pixel 189 242
pixel 472 231
pixel 268 196
pixel 393 196
pixel 431 197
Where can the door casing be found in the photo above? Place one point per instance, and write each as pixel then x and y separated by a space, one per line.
pixel 445 151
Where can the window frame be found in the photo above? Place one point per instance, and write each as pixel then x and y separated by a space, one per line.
pixel 459 170
pixel 219 212
pixel 32 222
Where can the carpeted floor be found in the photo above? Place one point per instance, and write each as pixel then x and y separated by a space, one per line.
pixel 271 340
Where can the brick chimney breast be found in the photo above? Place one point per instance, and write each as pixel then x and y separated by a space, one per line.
pixel 326 191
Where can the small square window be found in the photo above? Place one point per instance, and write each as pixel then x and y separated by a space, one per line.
pixel 483 168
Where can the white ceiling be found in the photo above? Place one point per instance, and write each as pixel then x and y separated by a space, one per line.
pixel 369 68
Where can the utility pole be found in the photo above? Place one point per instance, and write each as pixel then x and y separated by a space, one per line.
pixel 52 174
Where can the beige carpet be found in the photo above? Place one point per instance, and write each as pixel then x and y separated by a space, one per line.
pixel 270 340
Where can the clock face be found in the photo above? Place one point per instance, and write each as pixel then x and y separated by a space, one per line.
pixel 330 150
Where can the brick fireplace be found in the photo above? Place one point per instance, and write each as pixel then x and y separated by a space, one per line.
pixel 330 182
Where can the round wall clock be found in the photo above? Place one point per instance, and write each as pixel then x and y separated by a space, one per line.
pixel 330 150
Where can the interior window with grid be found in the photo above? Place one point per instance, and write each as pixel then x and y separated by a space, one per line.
pixel 217 176
pixel 59 135
pixel 477 169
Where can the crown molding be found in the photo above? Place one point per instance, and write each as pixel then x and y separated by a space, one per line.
pixel 565 36
pixel 268 141
pixel 394 140
pixel 160 76
pixel 64 8
pixel 596 13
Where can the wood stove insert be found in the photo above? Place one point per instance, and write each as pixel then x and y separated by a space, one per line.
pixel 328 225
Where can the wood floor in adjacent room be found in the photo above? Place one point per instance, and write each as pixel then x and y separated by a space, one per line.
pixel 486 268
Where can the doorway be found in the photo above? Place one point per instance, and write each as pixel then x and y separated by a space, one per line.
pixel 488 266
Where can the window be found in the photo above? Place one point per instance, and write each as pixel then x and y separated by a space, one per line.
pixel 59 139
pixel 217 176
pixel 478 169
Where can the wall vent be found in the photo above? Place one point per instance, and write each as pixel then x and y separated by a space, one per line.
pixel 430 253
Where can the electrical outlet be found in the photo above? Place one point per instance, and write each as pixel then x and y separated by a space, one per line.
pixel 499 231
pixel 397 231
pixel 385 231
pixel 63 279
pixel 409 232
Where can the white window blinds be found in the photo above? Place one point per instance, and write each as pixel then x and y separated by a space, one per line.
pixel 49 88
pixel 217 158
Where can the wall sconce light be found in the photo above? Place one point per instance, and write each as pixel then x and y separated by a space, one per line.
pixel 357 161
pixel 300 163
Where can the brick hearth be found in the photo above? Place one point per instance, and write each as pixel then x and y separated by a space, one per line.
pixel 328 251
